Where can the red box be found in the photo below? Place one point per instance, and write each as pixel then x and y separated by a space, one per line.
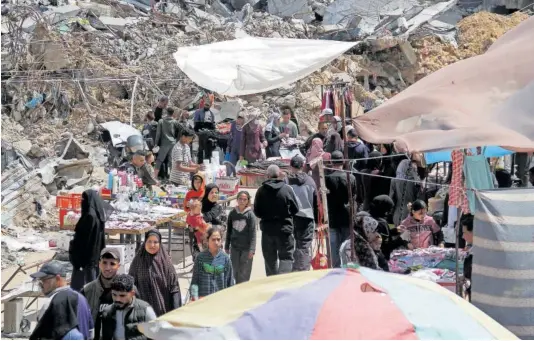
pixel 70 201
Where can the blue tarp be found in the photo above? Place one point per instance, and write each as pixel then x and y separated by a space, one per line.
pixel 445 155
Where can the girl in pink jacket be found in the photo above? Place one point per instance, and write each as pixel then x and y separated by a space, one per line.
pixel 422 228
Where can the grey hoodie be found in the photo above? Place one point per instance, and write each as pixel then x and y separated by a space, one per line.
pixel 306 193
pixel 241 231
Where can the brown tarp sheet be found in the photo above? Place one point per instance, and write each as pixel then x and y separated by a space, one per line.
pixel 487 100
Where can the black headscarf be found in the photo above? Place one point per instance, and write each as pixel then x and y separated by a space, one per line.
pixel 381 206
pixel 93 204
pixel 89 236
pixel 155 277
pixel 207 205
pixel 60 317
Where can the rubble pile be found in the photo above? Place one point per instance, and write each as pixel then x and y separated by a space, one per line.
pixel 67 67
pixel 476 33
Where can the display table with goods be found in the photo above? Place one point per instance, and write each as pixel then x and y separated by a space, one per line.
pixel 254 174
pixel 434 263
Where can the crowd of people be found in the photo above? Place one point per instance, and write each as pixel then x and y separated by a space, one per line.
pixel 388 202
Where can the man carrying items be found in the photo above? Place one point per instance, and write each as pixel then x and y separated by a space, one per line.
pixel 304 221
pixel 276 205
pixel 66 315
pixel 168 132
pixel 98 292
pixel 120 320
pixel 182 164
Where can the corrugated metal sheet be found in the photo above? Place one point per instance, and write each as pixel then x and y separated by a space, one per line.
pixel 20 188
pixel 503 258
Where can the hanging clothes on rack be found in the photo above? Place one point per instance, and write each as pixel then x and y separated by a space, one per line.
pixel 457 195
pixel 477 175
pixel 332 100
pixel 348 98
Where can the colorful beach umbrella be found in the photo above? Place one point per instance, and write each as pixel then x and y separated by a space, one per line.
pixel 330 304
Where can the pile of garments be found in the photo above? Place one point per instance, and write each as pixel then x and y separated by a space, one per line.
pixel 435 275
pixel 405 261
pixel 292 142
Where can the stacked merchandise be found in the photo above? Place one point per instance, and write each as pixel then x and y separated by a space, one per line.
pixel 260 167
pixel 434 263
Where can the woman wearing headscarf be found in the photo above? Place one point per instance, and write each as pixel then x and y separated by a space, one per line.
pixel 154 275
pixel 333 137
pixel 213 212
pixel 88 241
pixel 404 189
pixel 252 139
pixel 379 209
pixel 367 243
pixel 273 136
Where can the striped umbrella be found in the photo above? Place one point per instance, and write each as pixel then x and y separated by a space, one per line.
pixel 330 304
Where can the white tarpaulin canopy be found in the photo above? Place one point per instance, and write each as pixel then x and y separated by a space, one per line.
pixel 253 65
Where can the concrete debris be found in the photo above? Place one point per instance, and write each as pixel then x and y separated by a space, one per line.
pixel 298 9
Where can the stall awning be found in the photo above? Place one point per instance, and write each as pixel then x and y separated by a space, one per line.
pixel 254 65
pixel 487 100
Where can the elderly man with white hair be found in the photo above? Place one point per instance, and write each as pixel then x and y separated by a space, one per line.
pixel 276 205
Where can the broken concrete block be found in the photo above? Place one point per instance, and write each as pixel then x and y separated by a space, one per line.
pixel 221 9
pixel 319 8
pixel 61 13
pixel 114 23
pixel 28 25
pixel 239 4
pixel 97 9
pixel 23 146
pixel 298 9
pixel 408 52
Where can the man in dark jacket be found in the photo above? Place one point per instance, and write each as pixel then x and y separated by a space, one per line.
pixel 356 150
pixel 204 118
pixel 276 205
pixel 168 132
pixel 306 193
pixel 120 320
pixel 338 204
pixel 162 104
pixel 98 292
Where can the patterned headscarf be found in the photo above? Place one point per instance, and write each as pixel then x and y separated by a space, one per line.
pixel 155 277
pixel 270 124
pixel 316 152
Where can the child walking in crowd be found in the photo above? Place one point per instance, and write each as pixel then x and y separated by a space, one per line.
pixel 212 270
pixel 422 228
pixel 241 237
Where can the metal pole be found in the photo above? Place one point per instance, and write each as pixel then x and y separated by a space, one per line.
pixel 457 247
pixel 349 187
pixel 133 100
pixel 325 211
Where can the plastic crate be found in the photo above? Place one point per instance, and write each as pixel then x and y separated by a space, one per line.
pixel 62 213
pixel 69 201
pixel 228 185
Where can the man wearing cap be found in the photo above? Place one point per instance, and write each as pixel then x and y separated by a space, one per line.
pixel 305 219
pixel 98 292
pixel 276 205
pixel 66 314
pixel 338 204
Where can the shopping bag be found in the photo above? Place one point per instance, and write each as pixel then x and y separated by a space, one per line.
pixel 227 157
pixel 320 260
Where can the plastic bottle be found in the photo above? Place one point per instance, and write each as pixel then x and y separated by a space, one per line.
pixel 194 292
pixel 110 180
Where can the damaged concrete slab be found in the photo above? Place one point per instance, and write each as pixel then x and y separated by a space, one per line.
pixel 298 9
